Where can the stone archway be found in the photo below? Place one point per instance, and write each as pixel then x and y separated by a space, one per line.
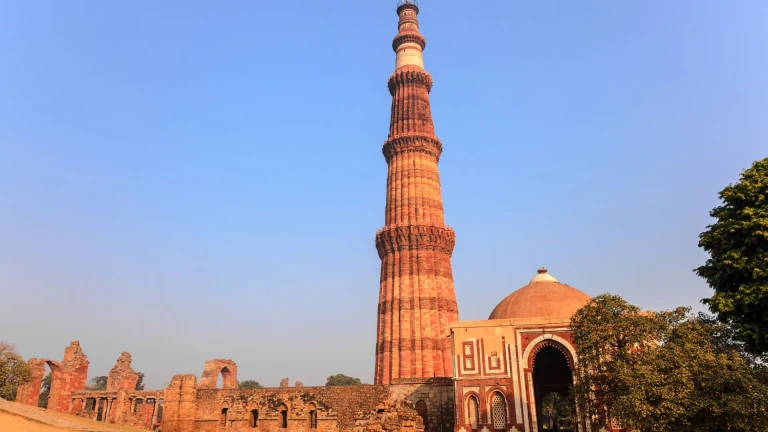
pixel 552 373
pixel 213 368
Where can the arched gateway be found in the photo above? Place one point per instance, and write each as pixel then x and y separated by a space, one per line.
pixel 523 352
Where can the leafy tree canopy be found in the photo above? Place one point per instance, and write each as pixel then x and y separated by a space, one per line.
pixel 342 380
pixel 97 383
pixel 139 383
pixel 738 265
pixel 250 384
pixel 45 391
pixel 14 371
pixel 665 371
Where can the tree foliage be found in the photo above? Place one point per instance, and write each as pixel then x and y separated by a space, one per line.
pixel 738 265
pixel 556 409
pixel 250 384
pixel 14 371
pixel 139 383
pixel 665 371
pixel 45 391
pixel 342 380
pixel 97 383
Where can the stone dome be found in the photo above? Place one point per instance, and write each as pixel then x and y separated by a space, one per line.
pixel 543 297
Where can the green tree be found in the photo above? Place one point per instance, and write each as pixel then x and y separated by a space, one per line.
pixel 139 383
pixel 607 331
pixel 342 380
pixel 737 269
pixel 250 384
pixel 97 383
pixel 665 371
pixel 556 408
pixel 14 371
pixel 45 391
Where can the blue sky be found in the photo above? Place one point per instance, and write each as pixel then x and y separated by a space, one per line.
pixel 187 181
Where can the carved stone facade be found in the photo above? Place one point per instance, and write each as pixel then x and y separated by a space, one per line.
pixel 397 416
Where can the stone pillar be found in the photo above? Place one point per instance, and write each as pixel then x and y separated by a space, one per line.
pixel 180 402
pixel 107 405
pixel 154 411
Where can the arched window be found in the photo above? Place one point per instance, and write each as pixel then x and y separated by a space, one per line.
pixel 473 412
pixel 254 418
pixel 498 411
pixel 284 417
pixel 421 408
pixel 223 418
pixel 313 418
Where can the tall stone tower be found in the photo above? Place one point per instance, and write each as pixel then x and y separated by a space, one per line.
pixel 417 299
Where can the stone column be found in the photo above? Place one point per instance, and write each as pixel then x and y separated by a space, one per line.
pixel 154 411
pixel 105 415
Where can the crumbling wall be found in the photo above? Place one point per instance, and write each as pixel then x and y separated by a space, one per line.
pixel 398 416
pixel 139 409
pixel 228 370
pixel 68 376
pixel 180 401
pixel 29 394
pixel 122 376
pixel 437 396
pixel 335 408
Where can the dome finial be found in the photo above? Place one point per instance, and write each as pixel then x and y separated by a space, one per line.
pixel 543 276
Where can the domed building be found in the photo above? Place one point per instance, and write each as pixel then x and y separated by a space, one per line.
pixel 505 367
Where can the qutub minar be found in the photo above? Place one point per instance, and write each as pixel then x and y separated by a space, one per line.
pixel 432 372
pixel 417 300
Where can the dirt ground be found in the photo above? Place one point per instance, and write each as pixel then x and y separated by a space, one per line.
pixel 12 423
pixel 16 417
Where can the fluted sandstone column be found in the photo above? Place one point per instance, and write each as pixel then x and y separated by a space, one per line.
pixel 416 299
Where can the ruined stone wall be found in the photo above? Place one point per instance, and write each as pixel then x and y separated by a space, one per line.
pixel 211 371
pixel 189 408
pixel 68 376
pixel 29 394
pixel 122 376
pixel 437 396
pixel 139 409
pixel 336 407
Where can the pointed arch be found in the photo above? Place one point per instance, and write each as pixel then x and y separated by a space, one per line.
pixel 498 413
pixel 473 411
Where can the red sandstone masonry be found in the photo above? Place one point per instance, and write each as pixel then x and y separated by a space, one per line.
pixel 68 376
pixel 122 376
pixel 416 298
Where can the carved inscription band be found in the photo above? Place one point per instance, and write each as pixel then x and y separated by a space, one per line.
pixel 403 344
pixel 406 76
pixel 413 142
pixel 424 303
pixel 409 37
pixel 415 237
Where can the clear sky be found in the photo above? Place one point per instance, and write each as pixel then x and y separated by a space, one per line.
pixel 188 180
